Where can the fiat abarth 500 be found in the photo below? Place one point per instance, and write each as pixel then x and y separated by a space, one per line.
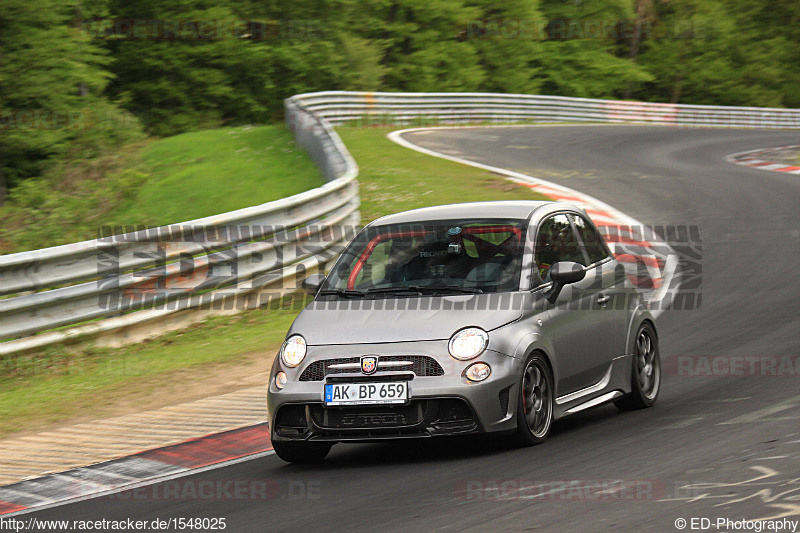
pixel 458 319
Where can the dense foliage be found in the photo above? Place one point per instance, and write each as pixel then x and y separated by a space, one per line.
pixel 107 66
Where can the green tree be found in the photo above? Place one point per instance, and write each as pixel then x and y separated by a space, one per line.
pixel 51 80
pixel 704 52
pixel 507 37
pixel 169 70
pixel 263 52
pixel 586 50
pixel 769 51
pixel 423 51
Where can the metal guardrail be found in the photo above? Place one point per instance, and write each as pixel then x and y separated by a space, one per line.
pixel 340 107
pixel 229 259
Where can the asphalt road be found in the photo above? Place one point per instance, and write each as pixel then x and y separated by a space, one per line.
pixel 714 446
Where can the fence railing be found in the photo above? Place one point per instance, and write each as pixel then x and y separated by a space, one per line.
pixel 230 261
pixel 340 107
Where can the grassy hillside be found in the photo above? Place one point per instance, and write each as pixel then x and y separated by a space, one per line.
pixel 155 183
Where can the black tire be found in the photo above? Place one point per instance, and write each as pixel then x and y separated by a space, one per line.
pixel 302 452
pixel 645 371
pixel 534 402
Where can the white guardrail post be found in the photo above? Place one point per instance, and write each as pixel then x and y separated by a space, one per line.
pixel 233 260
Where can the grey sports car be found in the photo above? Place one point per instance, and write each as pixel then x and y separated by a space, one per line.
pixel 459 319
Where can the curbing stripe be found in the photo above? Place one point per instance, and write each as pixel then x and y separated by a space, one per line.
pixel 759 159
pixel 185 458
pixel 7 508
pixel 212 449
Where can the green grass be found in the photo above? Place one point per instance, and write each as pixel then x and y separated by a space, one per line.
pixel 57 384
pixel 160 182
pixel 209 172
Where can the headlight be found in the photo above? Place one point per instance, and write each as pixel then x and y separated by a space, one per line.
pixel 478 372
pixel 293 351
pixel 468 343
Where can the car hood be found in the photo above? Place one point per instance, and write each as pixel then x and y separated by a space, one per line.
pixel 402 319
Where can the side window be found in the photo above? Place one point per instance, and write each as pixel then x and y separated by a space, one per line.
pixel 555 241
pixel 592 241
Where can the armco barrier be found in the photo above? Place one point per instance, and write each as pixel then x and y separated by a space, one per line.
pixel 229 260
pixel 340 107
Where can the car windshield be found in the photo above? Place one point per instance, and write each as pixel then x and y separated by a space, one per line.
pixel 442 256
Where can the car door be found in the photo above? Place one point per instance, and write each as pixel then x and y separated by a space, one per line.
pixel 612 297
pixel 581 343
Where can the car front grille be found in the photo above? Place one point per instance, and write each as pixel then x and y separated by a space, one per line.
pixel 369 417
pixel 421 365
pixel 428 417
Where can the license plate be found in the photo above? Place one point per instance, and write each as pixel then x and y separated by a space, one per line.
pixel 366 393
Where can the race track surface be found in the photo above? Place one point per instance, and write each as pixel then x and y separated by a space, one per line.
pixel 713 446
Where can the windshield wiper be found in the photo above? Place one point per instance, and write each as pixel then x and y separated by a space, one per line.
pixel 404 289
pixel 342 292
pixel 454 288
pixel 426 289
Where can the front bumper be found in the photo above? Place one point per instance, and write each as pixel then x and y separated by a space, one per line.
pixel 447 404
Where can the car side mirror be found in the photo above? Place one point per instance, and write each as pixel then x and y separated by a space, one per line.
pixel 563 273
pixel 312 283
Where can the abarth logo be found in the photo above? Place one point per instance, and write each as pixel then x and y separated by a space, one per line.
pixel 369 365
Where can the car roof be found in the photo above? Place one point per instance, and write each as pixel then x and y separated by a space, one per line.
pixel 513 209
